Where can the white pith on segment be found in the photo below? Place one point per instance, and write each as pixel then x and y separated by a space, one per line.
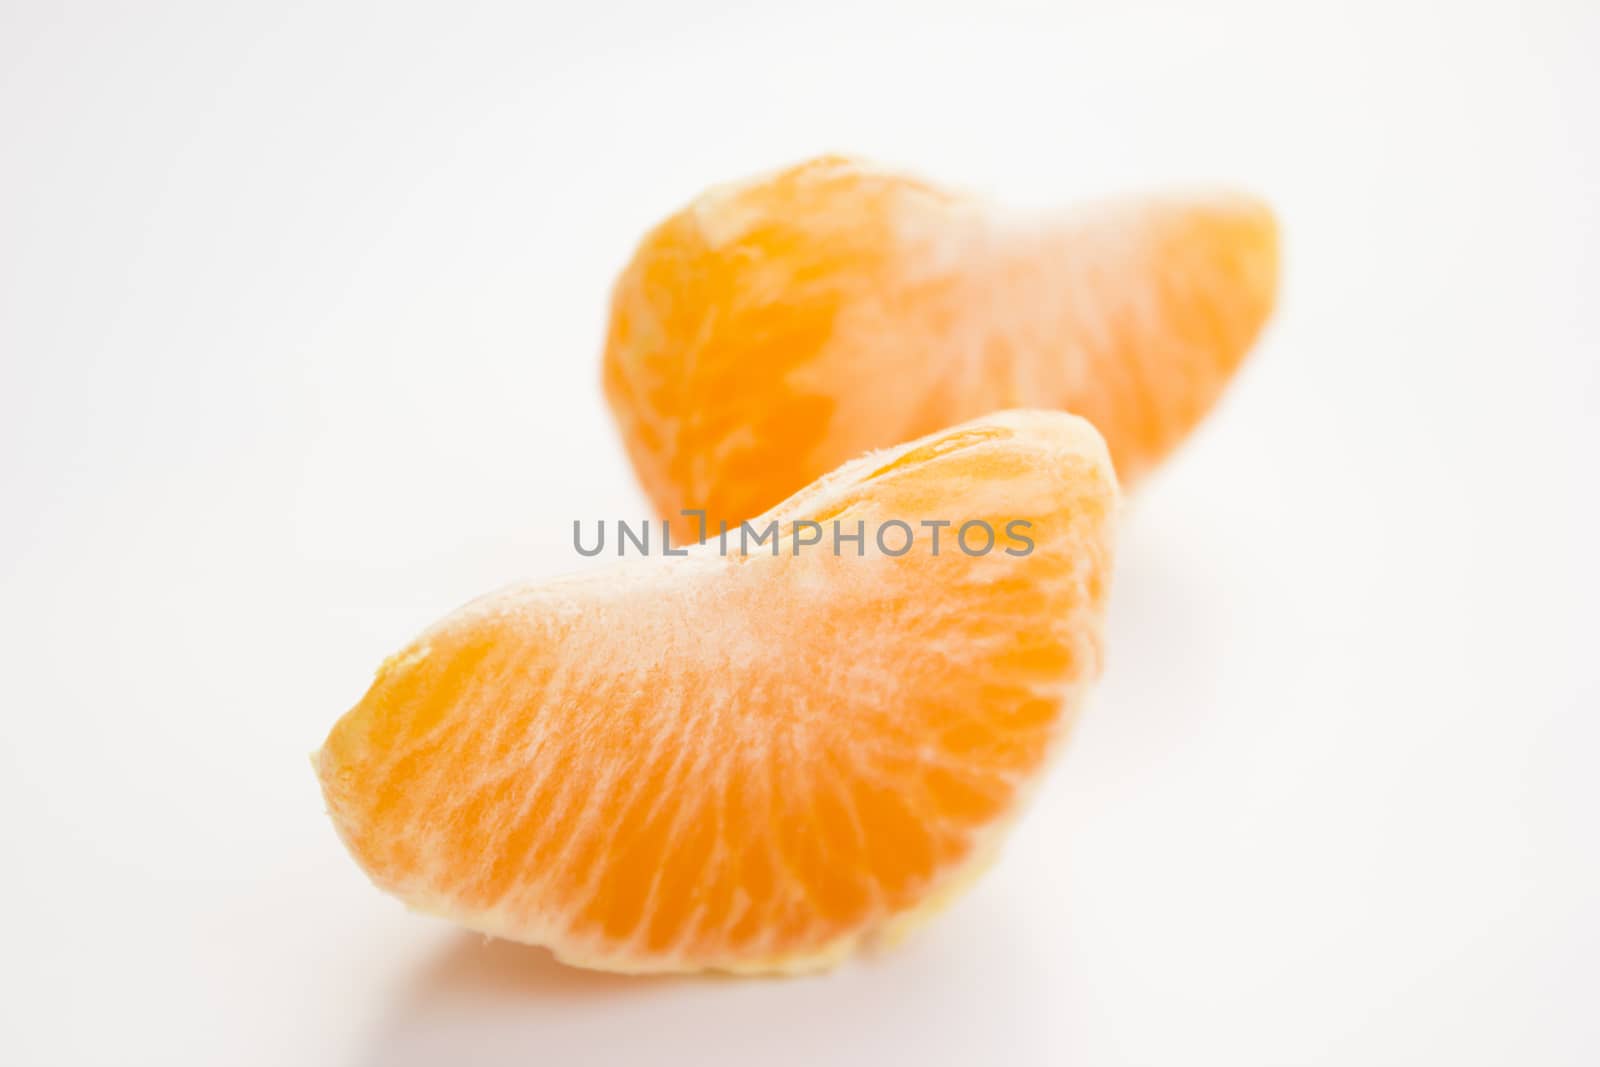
pixel 667 729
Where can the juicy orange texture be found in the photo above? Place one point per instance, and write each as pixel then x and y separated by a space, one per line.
pixel 773 329
pixel 745 762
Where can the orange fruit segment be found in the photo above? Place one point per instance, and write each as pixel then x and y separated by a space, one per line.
pixel 750 761
pixel 773 329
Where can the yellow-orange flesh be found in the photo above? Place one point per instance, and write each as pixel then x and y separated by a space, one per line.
pixel 745 762
pixel 773 329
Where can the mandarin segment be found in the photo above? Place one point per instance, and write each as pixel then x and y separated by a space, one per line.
pixel 744 762
pixel 773 329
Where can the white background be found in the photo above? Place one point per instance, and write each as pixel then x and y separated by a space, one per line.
pixel 300 313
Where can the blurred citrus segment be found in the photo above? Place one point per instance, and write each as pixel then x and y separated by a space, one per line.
pixel 773 329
